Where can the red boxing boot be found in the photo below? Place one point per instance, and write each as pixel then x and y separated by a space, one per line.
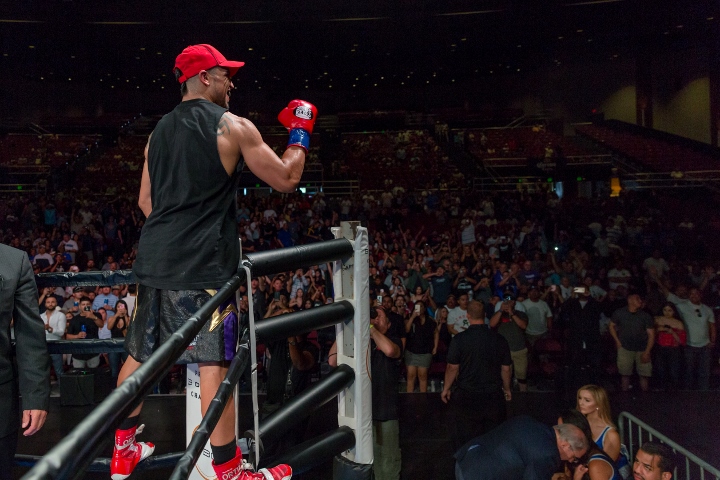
pixel 236 469
pixel 128 452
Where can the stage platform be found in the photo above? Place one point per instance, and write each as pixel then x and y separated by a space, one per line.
pixel 690 418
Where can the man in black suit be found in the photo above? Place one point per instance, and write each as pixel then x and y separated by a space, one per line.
pixel 19 307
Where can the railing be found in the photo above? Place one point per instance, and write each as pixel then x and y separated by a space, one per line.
pixel 638 432
pixel 654 180
pixel 506 184
pixel 22 187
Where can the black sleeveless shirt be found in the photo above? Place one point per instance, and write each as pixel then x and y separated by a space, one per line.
pixel 190 240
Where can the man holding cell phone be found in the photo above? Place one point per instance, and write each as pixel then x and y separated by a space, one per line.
pixel 511 324
pixel 85 325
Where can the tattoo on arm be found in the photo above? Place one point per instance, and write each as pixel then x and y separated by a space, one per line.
pixel 223 127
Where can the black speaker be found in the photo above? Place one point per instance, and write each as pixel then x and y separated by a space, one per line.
pixel 77 387
pixel 103 383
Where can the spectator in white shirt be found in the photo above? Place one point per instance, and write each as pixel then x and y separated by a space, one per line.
pixel 539 315
pixel 70 245
pixel 700 327
pixel 55 324
pixel 457 317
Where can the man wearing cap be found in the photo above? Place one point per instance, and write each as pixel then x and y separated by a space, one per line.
pixel 189 243
pixel 72 304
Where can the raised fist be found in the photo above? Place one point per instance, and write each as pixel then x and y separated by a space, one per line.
pixel 299 118
pixel 298 114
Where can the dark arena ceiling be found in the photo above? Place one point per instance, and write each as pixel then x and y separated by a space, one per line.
pixel 334 45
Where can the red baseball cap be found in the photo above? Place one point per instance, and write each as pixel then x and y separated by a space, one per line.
pixel 202 57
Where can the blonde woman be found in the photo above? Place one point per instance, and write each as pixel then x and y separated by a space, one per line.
pixel 592 401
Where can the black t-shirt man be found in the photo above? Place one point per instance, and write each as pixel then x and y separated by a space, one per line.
pixel 633 327
pixel 76 325
pixel 479 364
pixel 385 380
pixel 480 352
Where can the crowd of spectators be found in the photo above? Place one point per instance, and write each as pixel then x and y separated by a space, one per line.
pixel 441 249
pixel 406 159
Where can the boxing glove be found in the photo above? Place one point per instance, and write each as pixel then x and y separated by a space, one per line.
pixel 299 118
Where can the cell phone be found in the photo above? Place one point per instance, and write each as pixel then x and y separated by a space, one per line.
pixel 379 298
pixel 276 296
pixel 578 290
pixel 417 308
pixel 87 309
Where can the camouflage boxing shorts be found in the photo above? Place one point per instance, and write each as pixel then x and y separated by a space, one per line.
pixel 160 313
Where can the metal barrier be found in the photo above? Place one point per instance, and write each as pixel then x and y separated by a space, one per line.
pixel 638 432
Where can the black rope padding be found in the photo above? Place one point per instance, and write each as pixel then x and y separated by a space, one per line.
pixel 92 345
pixel 86 279
pixel 315 451
pixel 71 456
pixel 303 321
pixel 303 404
pixel 301 256
pixel 102 464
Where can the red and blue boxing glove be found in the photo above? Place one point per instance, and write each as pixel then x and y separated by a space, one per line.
pixel 299 118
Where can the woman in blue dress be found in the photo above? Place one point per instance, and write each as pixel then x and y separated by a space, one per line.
pixel 596 465
pixel 592 401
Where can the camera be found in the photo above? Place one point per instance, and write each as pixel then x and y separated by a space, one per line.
pixel 86 309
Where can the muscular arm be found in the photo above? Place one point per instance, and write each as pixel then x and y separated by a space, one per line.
pixel 281 173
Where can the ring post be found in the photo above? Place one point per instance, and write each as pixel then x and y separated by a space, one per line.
pixel 353 343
